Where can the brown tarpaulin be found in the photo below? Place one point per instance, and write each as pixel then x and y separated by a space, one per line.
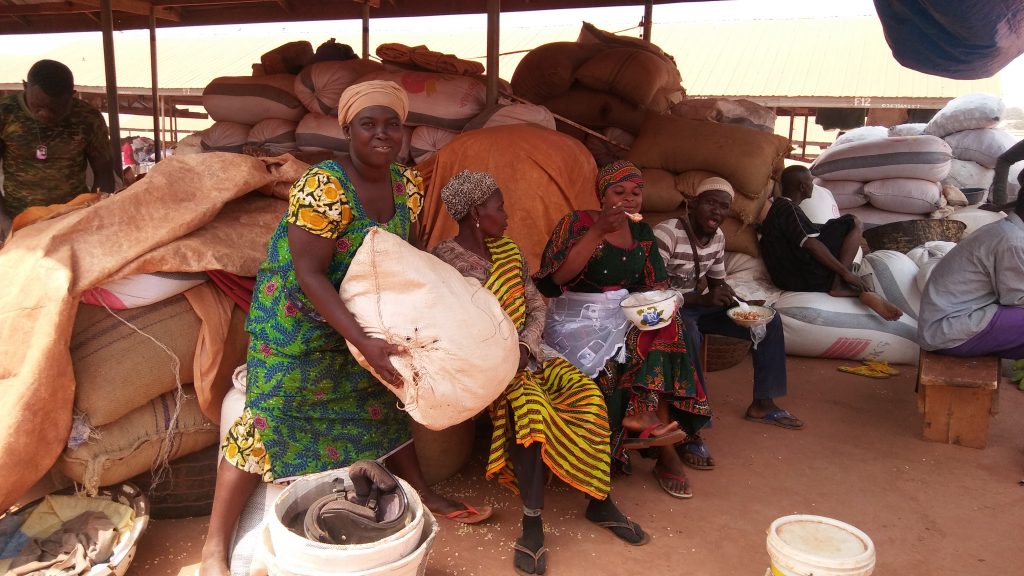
pixel 543 174
pixel 187 215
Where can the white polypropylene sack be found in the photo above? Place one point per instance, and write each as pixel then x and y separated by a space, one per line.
pixel 427 140
pixel 983 145
pixel 142 289
pixel 273 135
pixel 904 195
pixel 317 132
pixel 821 326
pixel 319 86
pixel 518 113
pixel 821 206
pixel 975 218
pixel 861 134
pixel 437 99
pixel 225 137
pixel 907 129
pixel 967 174
pixel 966 112
pixel 845 193
pixel 929 250
pixel 871 216
pixel 250 99
pixel 893 275
pixel 463 349
pixel 922 157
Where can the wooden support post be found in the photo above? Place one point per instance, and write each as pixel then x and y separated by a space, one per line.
pixel 113 120
pixel 157 110
pixel 493 42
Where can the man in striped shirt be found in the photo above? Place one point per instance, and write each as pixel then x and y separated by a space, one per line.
pixel 693 248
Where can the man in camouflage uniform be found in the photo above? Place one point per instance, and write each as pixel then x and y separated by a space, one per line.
pixel 46 138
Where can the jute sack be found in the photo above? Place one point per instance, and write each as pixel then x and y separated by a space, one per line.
pixel 634 74
pixel 518 113
pixel 597 110
pixel 550 69
pixel 740 237
pixel 118 369
pixel 287 58
pixel 319 86
pixel 249 99
pixel 752 210
pixel 746 158
pixel 660 194
pixel 688 181
pixel 140 441
pixel 463 349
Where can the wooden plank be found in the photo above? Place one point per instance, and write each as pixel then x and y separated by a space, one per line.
pixel 939 369
pixel 955 415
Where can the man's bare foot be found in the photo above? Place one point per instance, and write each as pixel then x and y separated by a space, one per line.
pixel 881 306
pixel 213 565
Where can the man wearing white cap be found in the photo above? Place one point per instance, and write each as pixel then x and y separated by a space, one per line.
pixel 693 248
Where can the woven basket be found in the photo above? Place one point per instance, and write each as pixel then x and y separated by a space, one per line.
pixel 909 234
pixel 725 351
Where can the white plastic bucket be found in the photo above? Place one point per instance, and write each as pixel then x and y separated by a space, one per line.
pixel 805 545
pixel 299 555
pixel 413 564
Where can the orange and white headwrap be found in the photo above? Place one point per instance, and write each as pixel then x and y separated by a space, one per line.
pixel 372 93
pixel 617 172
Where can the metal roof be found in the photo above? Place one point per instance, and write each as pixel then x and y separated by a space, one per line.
pixel 43 16
pixel 835 62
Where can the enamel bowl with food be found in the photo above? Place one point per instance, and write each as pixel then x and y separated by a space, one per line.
pixel 650 310
pixel 752 317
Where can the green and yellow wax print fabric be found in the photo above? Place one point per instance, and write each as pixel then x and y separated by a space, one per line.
pixel 31 181
pixel 554 404
pixel 656 367
pixel 313 406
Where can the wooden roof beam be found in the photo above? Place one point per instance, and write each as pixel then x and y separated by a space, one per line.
pixel 45 8
pixel 140 7
pixel 208 3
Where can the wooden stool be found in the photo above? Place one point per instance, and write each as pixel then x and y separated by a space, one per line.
pixel 956 396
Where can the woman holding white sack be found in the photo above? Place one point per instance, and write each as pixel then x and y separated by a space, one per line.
pixel 310 407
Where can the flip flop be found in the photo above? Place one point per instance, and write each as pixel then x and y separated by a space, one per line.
pixel 627 525
pixel 695 454
pixel 664 477
pixel 646 440
pixel 881 366
pixel 535 555
pixel 470 514
pixel 776 418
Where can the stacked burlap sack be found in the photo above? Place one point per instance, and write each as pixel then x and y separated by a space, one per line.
pixel 293 106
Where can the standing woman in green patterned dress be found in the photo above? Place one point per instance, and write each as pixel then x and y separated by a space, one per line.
pixel 310 406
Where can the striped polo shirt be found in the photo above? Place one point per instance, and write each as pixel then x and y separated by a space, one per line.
pixel 682 264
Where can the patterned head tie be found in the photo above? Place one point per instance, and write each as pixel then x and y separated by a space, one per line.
pixel 616 173
pixel 372 93
pixel 466 190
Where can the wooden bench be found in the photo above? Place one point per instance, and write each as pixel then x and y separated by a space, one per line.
pixel 956 396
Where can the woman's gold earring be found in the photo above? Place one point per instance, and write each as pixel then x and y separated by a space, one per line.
pixel 477 222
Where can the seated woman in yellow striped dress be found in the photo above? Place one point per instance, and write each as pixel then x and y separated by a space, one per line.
pixel 551 414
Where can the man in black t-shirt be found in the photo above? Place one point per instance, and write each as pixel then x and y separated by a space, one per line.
pixel 805 257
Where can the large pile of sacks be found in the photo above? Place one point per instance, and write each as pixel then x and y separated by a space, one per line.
pixel 291 102
pixel 135 404
pixel 906 171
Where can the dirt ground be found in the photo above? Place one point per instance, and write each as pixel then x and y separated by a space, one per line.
pixel 929 508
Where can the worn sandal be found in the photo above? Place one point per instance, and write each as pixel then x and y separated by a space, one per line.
pixel 633 527
pixel 537 557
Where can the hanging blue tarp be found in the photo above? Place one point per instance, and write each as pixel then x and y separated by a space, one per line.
pixel 960 39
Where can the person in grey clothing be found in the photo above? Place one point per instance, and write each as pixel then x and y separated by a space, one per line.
pixel 973 303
